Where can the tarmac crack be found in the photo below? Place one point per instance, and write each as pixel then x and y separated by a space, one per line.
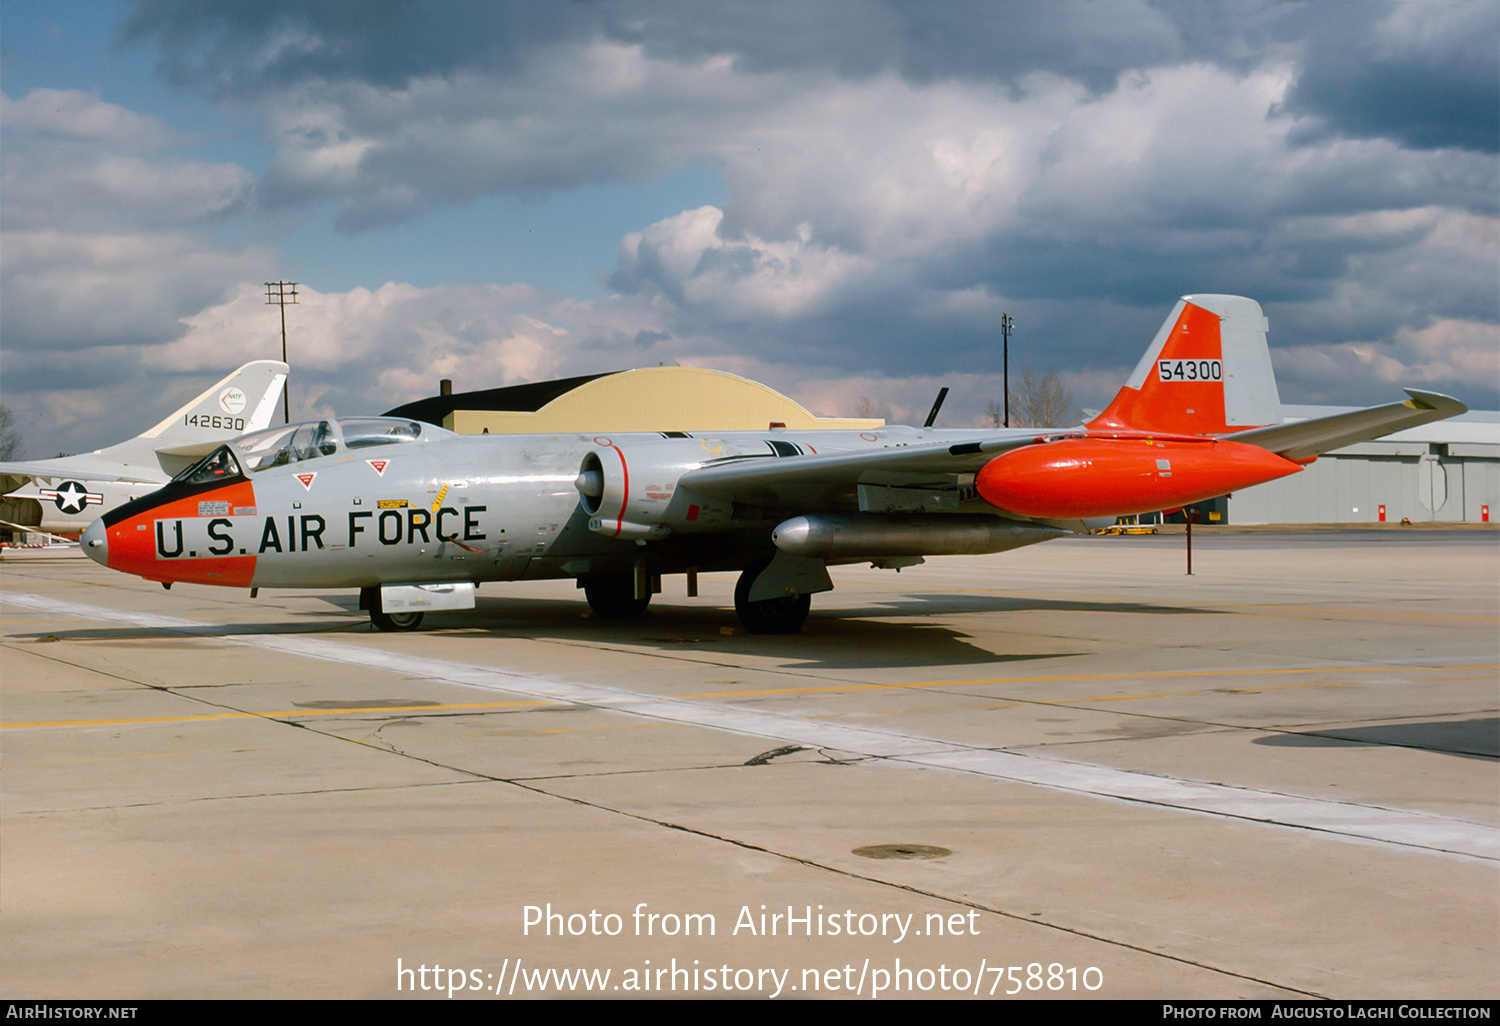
pixel 528 785
pixel 1028 918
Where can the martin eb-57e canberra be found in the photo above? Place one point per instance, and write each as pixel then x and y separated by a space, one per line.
pixel 415 516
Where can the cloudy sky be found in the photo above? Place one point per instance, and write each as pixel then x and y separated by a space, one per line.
pixel 838 199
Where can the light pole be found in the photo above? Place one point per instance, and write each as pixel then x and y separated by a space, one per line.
pixel 281 293
pixel 1006 323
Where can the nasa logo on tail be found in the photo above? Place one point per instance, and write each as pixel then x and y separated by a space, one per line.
pixel 232 400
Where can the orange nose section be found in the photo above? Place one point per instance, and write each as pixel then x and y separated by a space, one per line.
pixel 185 539
pixel 1101 477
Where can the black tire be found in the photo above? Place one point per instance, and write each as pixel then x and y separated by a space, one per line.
pixel 395 621
pixel 613 598
pixel 771 616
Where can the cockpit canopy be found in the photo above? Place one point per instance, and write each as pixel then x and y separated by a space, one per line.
pixel 293 443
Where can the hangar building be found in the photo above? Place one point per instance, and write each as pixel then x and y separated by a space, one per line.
pixel 646 399
pixel 1448 471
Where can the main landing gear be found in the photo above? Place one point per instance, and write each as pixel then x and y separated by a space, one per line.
pixel 613 598
pixel 783 615
pixel 369 599
pixel 395 621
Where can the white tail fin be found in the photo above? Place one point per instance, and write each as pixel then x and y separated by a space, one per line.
pixel 244 401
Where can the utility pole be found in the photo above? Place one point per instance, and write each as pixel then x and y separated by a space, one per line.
pixel 281 293
pixel 1006 323
pixel 1187 514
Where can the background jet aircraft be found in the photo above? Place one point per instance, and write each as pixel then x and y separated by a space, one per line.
pixel 73 491
pixel 415 516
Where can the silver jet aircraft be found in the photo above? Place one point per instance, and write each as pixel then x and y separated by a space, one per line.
pixel 415 516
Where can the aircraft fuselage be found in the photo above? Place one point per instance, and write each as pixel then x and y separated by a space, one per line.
pixel 468 508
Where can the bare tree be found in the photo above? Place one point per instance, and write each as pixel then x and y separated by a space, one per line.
pixel 10 438
pixel 1042 400
pixel 995 411
pixel 866 408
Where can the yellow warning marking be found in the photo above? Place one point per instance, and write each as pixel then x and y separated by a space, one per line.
pixel 439 500
pixel 835 688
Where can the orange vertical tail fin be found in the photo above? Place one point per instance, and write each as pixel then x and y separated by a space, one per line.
pixel 1207 372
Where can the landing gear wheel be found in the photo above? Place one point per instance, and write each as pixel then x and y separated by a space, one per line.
pixel 770 616
pixel 613 598
pixel 395 621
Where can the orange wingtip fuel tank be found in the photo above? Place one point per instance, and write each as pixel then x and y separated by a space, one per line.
pixel 180 539
pixel 1099 477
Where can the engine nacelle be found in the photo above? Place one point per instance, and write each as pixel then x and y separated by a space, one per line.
pixel 1097 477
pixel 633 494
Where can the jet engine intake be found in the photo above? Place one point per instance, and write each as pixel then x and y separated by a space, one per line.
pixel 634 495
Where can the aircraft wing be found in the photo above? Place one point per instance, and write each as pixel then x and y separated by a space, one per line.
pixel 817 481
pixel 87 467
pixel 829 481
pixel 1306 438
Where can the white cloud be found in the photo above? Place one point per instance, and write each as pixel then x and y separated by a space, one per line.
pixel 74 162
pixel 875 225
pixel 366 350
pixel 1448 355
pixel 74 115
pixel 1449 350
pixel 748 278
pixel 102 247
pixel 66 292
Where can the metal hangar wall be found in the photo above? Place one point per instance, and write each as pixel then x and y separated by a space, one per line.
pixel 1443 472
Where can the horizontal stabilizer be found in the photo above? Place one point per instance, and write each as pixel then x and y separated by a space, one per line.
pixel 1307 438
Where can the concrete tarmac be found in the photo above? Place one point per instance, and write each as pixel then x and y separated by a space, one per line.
pixel 1066 771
